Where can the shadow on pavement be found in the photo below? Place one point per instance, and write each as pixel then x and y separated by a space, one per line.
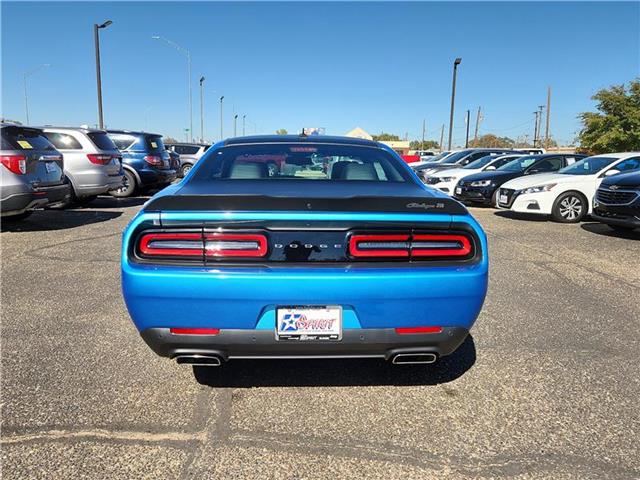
pixel 336 373
pixel 521 216
pixel 45 220
pixel 602 229
pixel 112 202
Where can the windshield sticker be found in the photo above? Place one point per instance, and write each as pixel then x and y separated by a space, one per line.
pixel 24 144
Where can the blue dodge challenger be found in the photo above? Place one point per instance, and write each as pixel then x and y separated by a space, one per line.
pixel 303 247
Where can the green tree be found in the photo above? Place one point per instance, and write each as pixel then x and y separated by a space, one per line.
pixel 281 131
pixel 426 145
pixel 169 140
pixel 616 125
pixel 386 137
pixel 492 141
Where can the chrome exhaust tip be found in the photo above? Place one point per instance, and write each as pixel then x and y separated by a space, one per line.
pixel 199 360
pixel 414 358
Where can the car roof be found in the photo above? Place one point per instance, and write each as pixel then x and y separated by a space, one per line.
pixel 188 144
pixel 81 129
pixel 618 154
pixel 301 138
pixel 133 132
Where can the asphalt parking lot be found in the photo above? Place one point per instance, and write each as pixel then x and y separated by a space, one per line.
pixel 547 387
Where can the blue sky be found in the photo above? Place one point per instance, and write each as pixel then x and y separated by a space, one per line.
pixel 380 66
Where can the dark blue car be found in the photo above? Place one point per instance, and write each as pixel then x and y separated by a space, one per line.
pixel 145 161
pixel 299 247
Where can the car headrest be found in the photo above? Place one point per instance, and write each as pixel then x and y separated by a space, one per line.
pixel 249 170
pixel 337 168
pixel 357 171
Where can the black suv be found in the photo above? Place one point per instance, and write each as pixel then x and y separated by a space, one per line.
pixel 617 201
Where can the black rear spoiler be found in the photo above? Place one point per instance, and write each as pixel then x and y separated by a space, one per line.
pixel 263 203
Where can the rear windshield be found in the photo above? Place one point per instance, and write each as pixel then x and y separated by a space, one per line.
pixel 301 162
pixel 154 144
pixel 18 138
pixel 102 141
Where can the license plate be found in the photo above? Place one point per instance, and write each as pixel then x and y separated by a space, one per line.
pixel 503 199
pixel 458 190
pixel 309 323
pixel 50 167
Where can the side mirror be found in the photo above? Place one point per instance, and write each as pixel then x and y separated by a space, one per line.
pixel 490 167
pixel 611 172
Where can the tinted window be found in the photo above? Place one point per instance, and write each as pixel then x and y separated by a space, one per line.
pixel 551 164
pixel 102 141
pixel 123 142
pixel 20 138
pixel 186 149
pixel 455 157
pixel 62 141
pixel 519 164
pixel 301 162
pixel 628 164
pixel 588 166
pixel 154 144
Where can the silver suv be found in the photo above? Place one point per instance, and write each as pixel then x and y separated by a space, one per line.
pixel 31 175
pixel 189 153
pixel 92 162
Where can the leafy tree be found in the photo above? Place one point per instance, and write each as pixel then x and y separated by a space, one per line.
pixel 169 140
pixel 281 131
pixel 386 137
pixel 426 145
pixel 616 127
pixel 490 141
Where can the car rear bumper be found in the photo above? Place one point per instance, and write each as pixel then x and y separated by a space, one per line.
pixel 149 177
pixel 97 184
pixel 19 199
pixel 235 344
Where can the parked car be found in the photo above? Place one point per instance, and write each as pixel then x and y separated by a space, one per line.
pixel 617 201
pixel 482 188
pixel 461 158
pixel 174 161
pixel 531 150
pixel 446 180
pixel 145 161
pixel 567 194
pixel 425 154
pixel 92 162
pixel 189 153
pixel 304 263
pixel 33 173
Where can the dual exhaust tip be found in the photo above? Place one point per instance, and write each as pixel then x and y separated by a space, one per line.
pixel 414 358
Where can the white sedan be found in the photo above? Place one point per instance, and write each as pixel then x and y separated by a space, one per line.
pixel 446 180
pixel 566 195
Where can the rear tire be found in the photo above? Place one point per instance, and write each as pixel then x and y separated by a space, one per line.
pixel 494 198
pixel 570 207
pixel 128 186
pixel 185 169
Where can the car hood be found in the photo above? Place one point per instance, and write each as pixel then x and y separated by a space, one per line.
pixel 494 175
pixel 452 172
pixel 630 179
pixel 543 178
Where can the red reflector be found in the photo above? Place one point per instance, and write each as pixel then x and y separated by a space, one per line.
pixel 15 163
pixel 379 245
pixel 99 159
pixel 195 331
pixel 436 245
pixel 172 244
pixel 235 245
pixel 410 330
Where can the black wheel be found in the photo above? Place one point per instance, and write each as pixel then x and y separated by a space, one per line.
pixel 18 217
pixel 570 207
pixel 128 187
pixel 622 229
pixel 185 169
pixel 494 198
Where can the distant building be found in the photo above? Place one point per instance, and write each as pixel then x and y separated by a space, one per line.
pixel 358 133
pixel 401 146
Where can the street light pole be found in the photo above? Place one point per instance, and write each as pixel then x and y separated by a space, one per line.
pixel 243 124
pixel 26 98
pixel 235 121
pixel 466 142
pixel 188 54
pixel 456 62
pixel 221 127
pixel 202 109
pixel 535 128
pixel 96 39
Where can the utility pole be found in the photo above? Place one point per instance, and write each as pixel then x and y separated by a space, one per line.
pixel 235 121
pixel 442 138
pixel 478 118
pixel 535 128
pixel 243 124
pixel 96 40
pixel 540 108
pixel 546 130
pixel 466 141
pixel 202 109
pixel 456 62
pixel 424 126
pixel 221 129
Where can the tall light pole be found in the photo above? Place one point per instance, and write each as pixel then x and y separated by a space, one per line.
pixel 235 122
pixel 456 62
pixel 26 98
pixel 243 124
pixel 202 109
pixel 188 55
pixel 221 126
pixel 540 108
pixel 96 39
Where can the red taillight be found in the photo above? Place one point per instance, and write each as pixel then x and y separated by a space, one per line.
pixel 235 245
pixel 379 245
pixel 436 245
pixel 415 330
pixel 172 245
pixel 413 246
pixel 154 160
pixel 100 159
pixel 195 331
pixel 15 163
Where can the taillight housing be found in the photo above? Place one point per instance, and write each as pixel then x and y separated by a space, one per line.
pixel 201 245
pixel 100 159
pixel 15 163
pixel 414 246
pixel 153 160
